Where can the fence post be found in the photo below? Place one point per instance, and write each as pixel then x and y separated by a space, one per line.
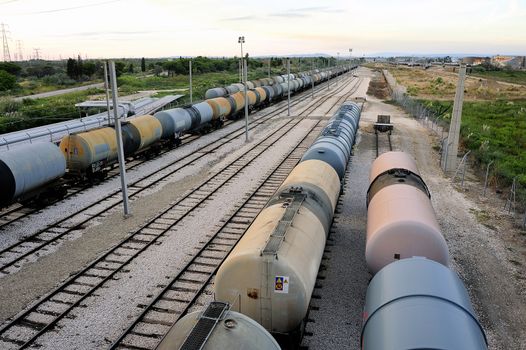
pixel 510 202
pixel 462 163
pixel 486 179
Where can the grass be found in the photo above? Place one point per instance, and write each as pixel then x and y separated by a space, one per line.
pixel 439 84
pixel 129 84
pixel 19 115
pixel 494 131
pixel 33 87
pixel 510 76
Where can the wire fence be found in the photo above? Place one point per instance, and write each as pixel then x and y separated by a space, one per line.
pixel 515 204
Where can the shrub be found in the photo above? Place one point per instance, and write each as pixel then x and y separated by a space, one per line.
pixel 7 81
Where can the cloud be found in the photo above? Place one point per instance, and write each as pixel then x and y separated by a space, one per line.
pixel 242 18
pixel 104 33
pixel 305 11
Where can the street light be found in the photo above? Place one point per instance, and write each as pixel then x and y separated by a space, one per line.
pixel 241 40
pixel 350 58
pixel 244 68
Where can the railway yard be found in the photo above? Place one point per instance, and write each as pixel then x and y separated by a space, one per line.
pixel 77 275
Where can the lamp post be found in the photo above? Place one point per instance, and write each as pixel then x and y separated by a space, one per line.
pixel 350 59
pixel 241 40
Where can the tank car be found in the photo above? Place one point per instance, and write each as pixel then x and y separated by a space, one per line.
pixel 30 170
pixel 401 222
pixel 272 271
pixel 418 303
pixel 88 153
pixel 217 327
pixel 139 133
pixel 337 138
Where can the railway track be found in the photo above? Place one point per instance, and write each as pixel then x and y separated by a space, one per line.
pixel 196 278
pixel 383 142
pixel 13 256
pixel 41 317
pixel 18 211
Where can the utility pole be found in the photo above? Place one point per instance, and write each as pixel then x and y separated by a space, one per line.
pixel 269 67
pixel 107 88
pixel 245 68
pixel 120 150
pixel 288 86
pixel 190 70
pixel 350 58
pixel 450 162
pixel 7 55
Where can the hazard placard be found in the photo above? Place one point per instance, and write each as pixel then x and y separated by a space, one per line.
pixel 281 284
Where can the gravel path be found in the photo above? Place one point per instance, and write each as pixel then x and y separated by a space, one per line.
pixel 60 92
pixel 490 263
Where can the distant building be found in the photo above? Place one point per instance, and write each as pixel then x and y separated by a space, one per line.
pixel 514 62
pixel 475 61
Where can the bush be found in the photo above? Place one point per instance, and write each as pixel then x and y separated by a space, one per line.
pixel 10 68
pixel 7 81
pixel 8 106
pixel 58 79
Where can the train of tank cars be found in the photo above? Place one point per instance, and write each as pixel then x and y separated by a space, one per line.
pixel 37 171
pixel 414 301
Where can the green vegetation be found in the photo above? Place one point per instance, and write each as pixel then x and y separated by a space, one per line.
pixel 7 81
pixel 510 76
pixel 168 75
pixel 28 113
pixel 493 131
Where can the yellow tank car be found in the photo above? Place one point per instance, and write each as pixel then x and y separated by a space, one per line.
pixel 252 98
pixel 239 101
pixel 220 106
pixel 88 152
pixel 262 94
pixel 149 129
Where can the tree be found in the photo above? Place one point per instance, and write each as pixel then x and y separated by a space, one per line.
pixel 143 65
pixel 40 71
pixel 119 68
pixel 71 68
pixel 130 68
pixel 10 68
pixel 79 67
pixel 7 81
pixel 89 68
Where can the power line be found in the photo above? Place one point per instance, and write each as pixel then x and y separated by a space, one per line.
pixel 67 8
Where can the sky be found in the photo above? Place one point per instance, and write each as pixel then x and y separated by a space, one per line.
pixel 161 28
